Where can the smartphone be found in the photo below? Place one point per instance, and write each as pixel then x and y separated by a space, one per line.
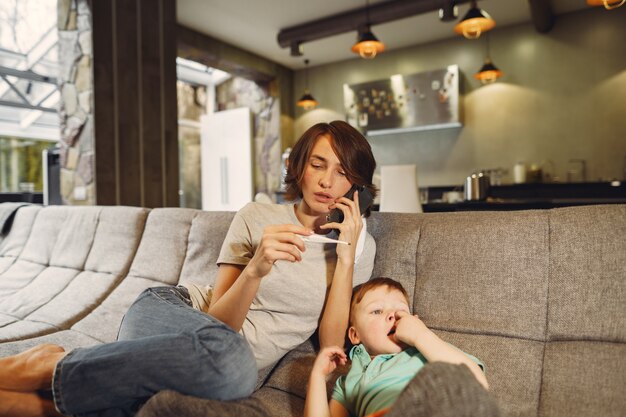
pixel 365 200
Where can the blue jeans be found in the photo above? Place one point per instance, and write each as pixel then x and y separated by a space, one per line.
pixel 163 344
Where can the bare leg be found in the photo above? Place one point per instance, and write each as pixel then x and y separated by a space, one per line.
pixel 31 370
pixel 25 404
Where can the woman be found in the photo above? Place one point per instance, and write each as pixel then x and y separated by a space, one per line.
pixel 270 292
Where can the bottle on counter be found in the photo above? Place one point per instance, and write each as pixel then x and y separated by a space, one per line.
pixel 519 172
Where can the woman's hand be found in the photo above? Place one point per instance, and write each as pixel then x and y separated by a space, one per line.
pixel 349 229
pixel 328 360
pixel 279 242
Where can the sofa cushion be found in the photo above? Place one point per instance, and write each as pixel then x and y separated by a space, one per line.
pixel 117 238
pixel 17 329
pixel 279 403
pixel 49 286
pixel 43 236
pixel 67 338
pixel 208 230
pixel 17 276
pixel 75 238
pixel 587 254
pixel 583 379
pixel 41 289
pixel 12 244
pixel 163 247
pixel 291 374
pixel 103 322
pixel 512 366
pixel 484 272
pixel 396 258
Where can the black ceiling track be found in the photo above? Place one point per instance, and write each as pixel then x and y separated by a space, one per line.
pixel 388 11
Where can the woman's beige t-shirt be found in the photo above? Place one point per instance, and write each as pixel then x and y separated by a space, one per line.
pixel 288 305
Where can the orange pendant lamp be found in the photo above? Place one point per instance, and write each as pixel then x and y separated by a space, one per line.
pixel 367 44
pixel 608 4
pixel 307 101
pixel 488 73
pixel 475 23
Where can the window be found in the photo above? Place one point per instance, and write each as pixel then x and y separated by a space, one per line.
pixel 20 164
pixel 29 95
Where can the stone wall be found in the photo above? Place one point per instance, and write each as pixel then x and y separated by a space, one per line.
pixel 76 107
pixel 191 105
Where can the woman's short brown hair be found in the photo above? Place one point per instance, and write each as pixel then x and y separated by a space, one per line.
pixel 352 149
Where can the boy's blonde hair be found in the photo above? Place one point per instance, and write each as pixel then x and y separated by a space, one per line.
pixel 360 291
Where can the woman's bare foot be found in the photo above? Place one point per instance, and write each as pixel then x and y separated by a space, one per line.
pixel 30 370
pixel 25 404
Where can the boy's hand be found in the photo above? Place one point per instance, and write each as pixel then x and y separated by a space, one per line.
pixel 328 360
pixel 408 328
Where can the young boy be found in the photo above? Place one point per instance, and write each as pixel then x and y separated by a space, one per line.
pixel 391 346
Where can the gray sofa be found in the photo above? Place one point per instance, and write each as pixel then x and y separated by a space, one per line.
pixel 539 296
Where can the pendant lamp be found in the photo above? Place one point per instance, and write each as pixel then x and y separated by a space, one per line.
pixel 307 101
pixel 475 22
pixel 367 45
pixel 608 4
pixel 488 73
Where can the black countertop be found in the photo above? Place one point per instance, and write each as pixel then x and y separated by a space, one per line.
pixel 532 196
pixel 499 204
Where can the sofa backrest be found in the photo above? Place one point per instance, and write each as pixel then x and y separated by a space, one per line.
pixel 539 296
pixel 59 263
pixel 18 228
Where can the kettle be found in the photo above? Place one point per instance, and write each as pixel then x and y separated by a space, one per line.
pixel 476 187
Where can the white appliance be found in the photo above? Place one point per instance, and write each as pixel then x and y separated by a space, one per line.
pixel 226 159
pixel 398 189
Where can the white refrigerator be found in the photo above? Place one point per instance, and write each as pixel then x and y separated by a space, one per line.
pixel 227 159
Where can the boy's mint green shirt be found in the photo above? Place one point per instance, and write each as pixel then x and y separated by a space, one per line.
pixel 373 384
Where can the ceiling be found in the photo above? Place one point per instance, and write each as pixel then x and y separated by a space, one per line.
pixel 253 25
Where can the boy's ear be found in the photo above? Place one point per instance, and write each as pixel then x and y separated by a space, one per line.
pixel 353 336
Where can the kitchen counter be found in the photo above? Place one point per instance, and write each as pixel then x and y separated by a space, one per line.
pixel 531 196
pixel 500 204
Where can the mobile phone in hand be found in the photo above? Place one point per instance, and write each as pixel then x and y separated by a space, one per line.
pixel 365 201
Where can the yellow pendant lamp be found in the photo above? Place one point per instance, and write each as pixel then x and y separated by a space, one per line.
pixel 475 22
pixel 608 4
pixel 307 101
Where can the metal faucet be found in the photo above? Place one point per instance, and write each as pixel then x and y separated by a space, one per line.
pixel 583 167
